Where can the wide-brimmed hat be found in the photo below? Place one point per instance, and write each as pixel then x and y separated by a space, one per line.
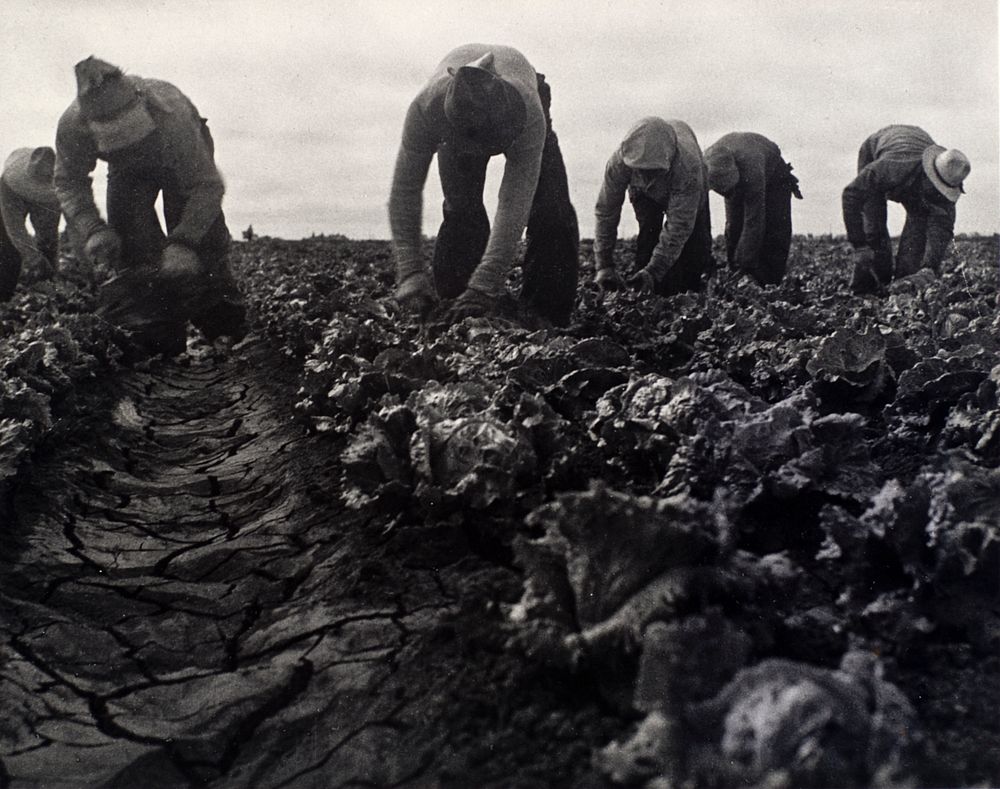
pixel 947 168
pixel 723 174
pixel 28 173
pixel 112 105
pixel 649 145
pixel 482 107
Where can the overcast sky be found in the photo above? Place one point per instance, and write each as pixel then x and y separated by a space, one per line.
pixel 306 99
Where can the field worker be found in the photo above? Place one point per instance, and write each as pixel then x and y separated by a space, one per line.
pixel 481 101
pixel 748 171
pixel 903 164
pixel 26 193
pixel 154 142
pixel 659 164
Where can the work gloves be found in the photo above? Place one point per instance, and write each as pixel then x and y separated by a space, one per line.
pixel 416 294
pixel 642 281
pixel 472 303
pixel 103 247
pixel 180 273
pixel 179 263
pixel 865 278
pixel 36 267
pixel 608 279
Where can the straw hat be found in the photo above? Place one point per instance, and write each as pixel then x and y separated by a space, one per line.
pixel 112 105
pixel 946 168
pixel 482 106
pixel 28 173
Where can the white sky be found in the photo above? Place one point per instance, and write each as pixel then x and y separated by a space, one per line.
pixel 306 99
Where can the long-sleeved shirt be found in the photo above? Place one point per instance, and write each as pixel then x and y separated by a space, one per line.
pixel 426 128
pixel 890 167
pixel 182 157
pixel 761 168
pixel 21 196
pixel 662 159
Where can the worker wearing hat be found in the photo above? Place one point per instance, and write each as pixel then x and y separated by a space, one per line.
pixel 481 101
pixel 902 164
pixel 154 142
pixel 26 193
pixel 748 171
pixel 659 165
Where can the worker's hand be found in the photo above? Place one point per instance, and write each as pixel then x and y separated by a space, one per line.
pixel 864 263
pixel 865 278
pixel 416 295
pixel 179 263
pixel 608 279
pixel 36 267
pixel 471 304
pixel 103 247
pixel 642 281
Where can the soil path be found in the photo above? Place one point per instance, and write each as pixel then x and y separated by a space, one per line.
pixel 185 603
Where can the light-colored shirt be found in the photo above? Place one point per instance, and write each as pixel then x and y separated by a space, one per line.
pixel 662 160
pixel 20 197
pixel 181 158
pixel 426 128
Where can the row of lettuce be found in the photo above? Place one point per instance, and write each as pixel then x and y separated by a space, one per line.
pixel 52 346
pixel 785 474
pixel 755 490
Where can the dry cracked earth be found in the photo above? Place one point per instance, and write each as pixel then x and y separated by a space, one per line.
pixel 186 604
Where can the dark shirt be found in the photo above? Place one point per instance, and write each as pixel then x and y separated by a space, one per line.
pixel 761 168
pixel 890 167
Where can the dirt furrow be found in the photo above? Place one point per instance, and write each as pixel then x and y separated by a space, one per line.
pixel 186 603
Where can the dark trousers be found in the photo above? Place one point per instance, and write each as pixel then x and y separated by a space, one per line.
pixel 211 301
pixel 912 242
pixel 909 255
pixel 45 223
pixel 10 265
pixel 551 262
pixel 695 259
pixel 771 264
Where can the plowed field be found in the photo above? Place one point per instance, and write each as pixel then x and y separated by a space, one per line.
pixel 761 527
